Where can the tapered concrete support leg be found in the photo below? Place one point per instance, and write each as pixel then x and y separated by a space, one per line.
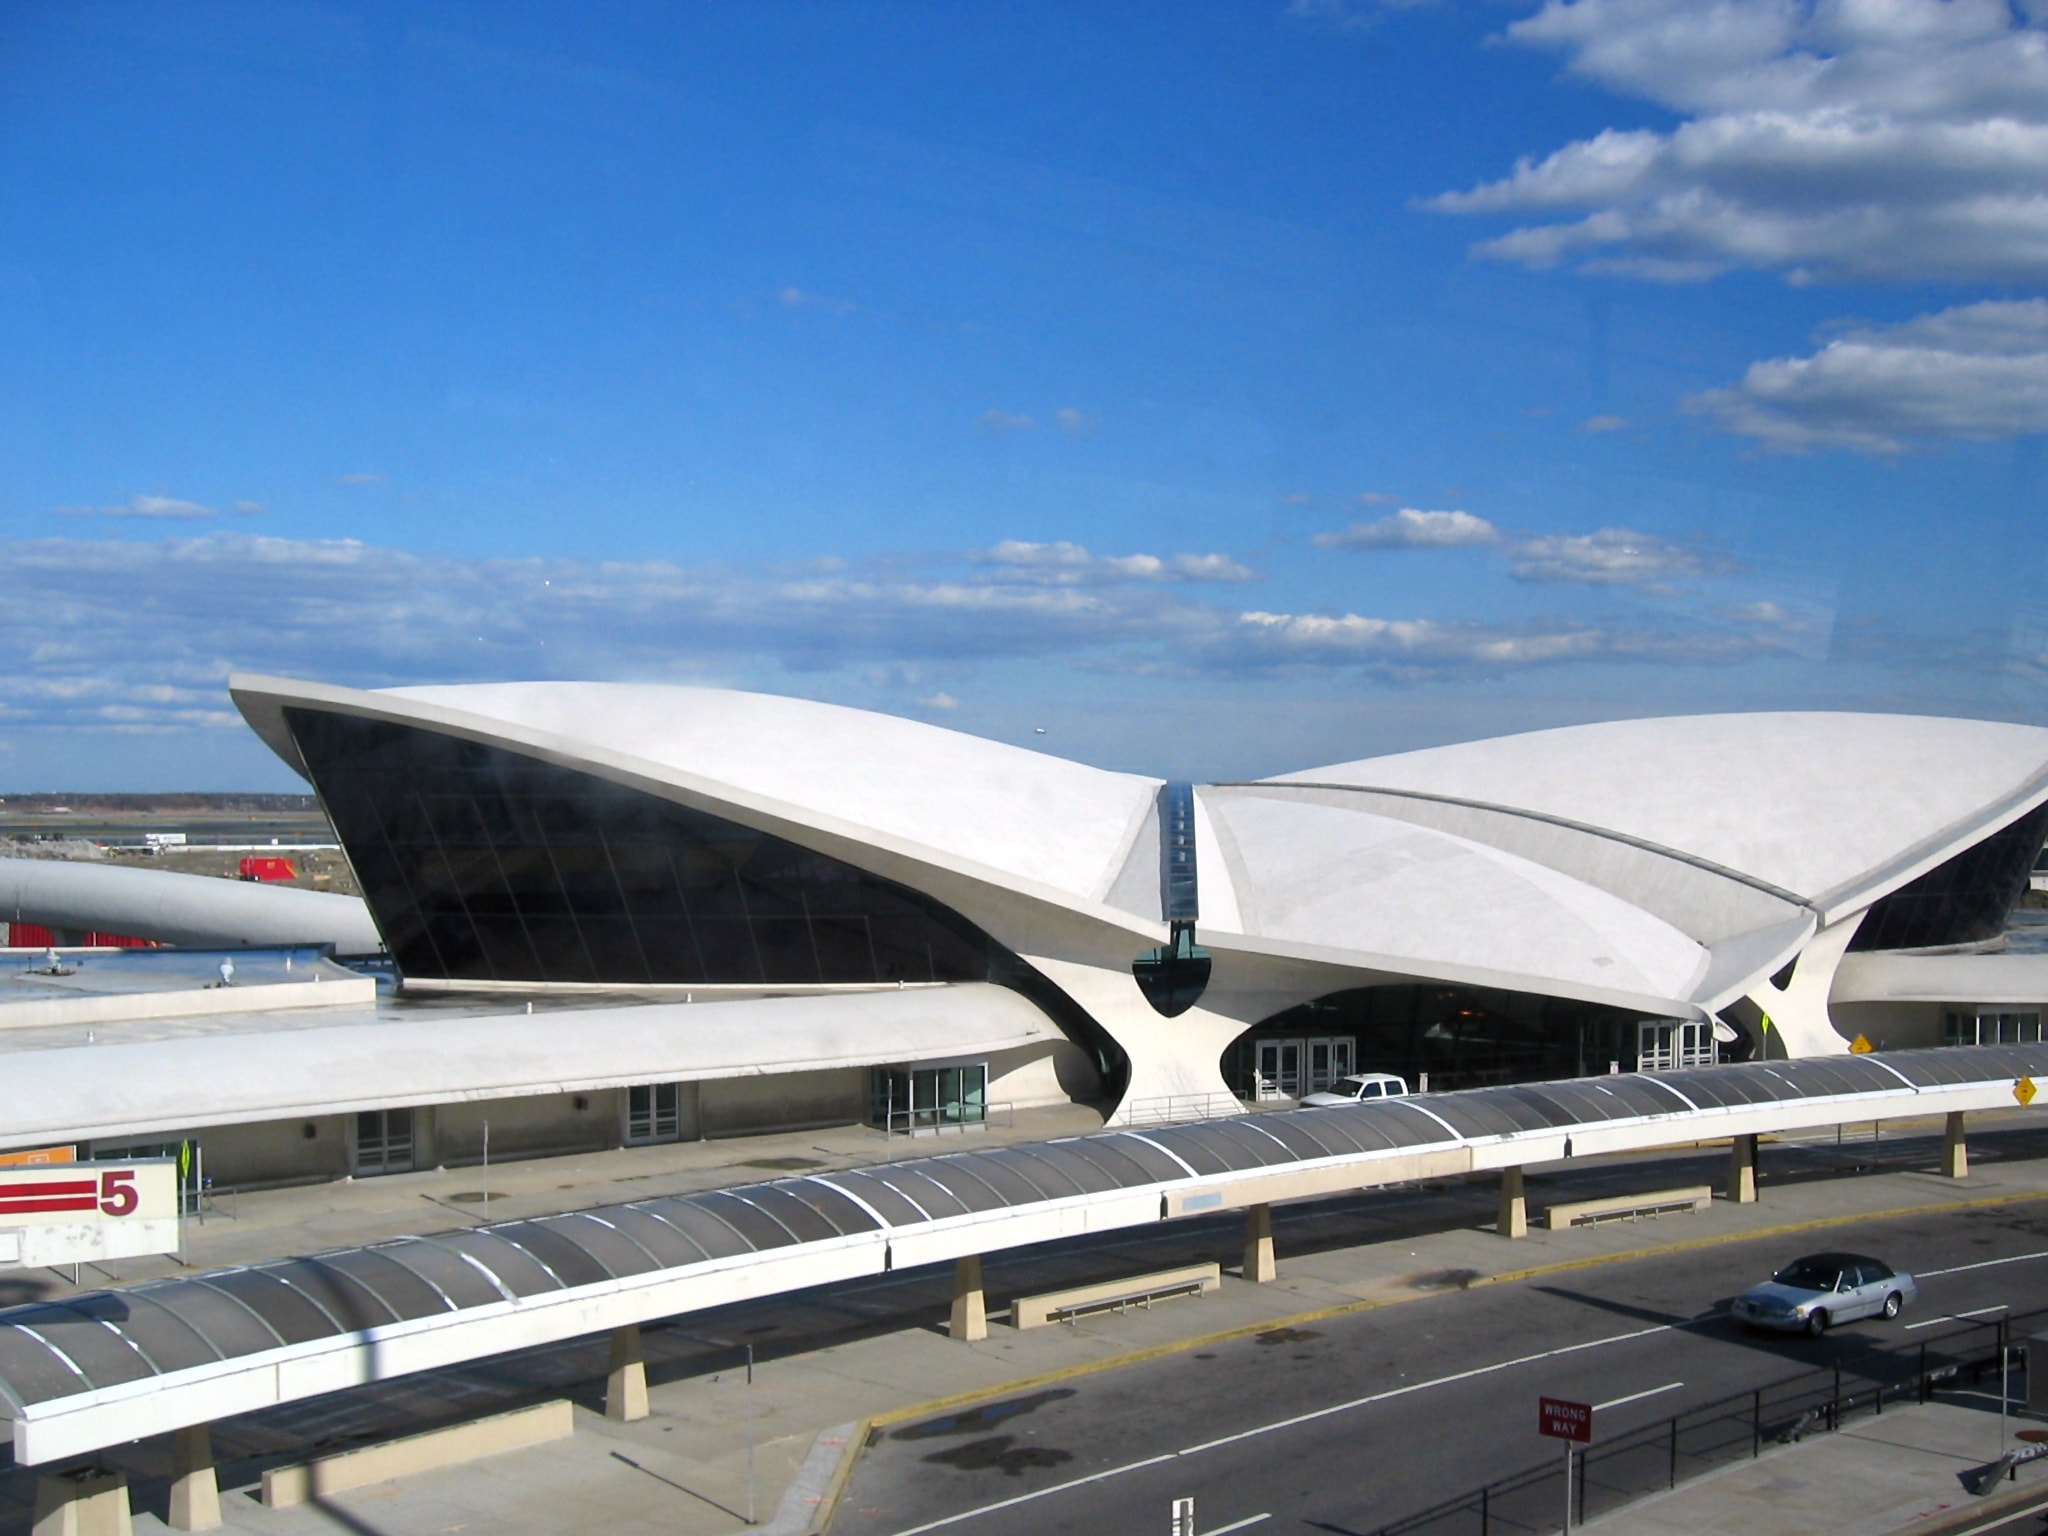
pixel 969 1321
pixel 85 1503
pixel 625 1384
pixel 195 1493
pixel 1742 1170
pixel 1514 1205
pixel 1258 1245
pixel 1955 1152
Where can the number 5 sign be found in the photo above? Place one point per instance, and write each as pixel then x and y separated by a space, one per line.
pixel 76 1212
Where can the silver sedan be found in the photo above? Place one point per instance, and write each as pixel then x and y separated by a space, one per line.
pixel 1812 1294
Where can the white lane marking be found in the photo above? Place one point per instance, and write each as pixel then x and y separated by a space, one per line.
pixel 1936 1322
pixel 1963 1269
pixel 1301 1418
pixel 1424 1386
pixel 1026 1498
pixel 1637 1397
pixel 1238 1525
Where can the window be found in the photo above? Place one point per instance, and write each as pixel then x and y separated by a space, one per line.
pixel 654 1113
pixel 481 864
pixel 383 1141
pixel 1965 901
pixel 1993 1027
pixel 923 1100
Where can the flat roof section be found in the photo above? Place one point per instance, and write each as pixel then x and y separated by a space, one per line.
pixel 179 1074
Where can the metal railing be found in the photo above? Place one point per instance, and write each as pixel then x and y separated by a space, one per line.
pixel 1655 1458
pixel 1179 1108
pixel 947 1119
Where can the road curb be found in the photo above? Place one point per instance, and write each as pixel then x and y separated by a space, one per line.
pixel 869 1428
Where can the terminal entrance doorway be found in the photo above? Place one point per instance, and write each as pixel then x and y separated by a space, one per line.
pixel 1289 1069
pixel 384 1141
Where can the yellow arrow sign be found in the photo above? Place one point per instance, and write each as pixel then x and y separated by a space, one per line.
pixel 1861 1046
pixel 2023 1090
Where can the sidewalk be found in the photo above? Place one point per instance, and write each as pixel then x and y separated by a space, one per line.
pixel 684 1469
pixel 1885 1476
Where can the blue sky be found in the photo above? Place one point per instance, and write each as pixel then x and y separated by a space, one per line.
pixel 1222 388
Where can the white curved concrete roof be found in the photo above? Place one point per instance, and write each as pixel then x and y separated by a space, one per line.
pixel 1035 819
pixel 1834 809
pixel 1322 878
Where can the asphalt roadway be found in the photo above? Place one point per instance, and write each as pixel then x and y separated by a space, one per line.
pixel 1352 1423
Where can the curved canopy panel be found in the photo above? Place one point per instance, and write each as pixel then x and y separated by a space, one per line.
pixel 1339 879
pixel 1833 809
pixel 1036 818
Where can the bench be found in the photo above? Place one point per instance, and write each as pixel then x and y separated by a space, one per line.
pixel 1114 1295
pixel 1590 1213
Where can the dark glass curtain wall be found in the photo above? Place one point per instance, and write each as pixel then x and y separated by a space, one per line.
pixel 481 864
pixel 1965 901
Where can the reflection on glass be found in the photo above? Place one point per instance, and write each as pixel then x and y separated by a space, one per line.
pixel 1964 901
pixel 1173 976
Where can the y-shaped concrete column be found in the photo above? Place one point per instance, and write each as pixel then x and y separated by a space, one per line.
pixel 1258 1245
pixel 1742 1170
pixel 87 1502
pixel 969 1320
pixel 1514 1205
pixel 195 1493
pixel 625 1384
pixel 1955 1152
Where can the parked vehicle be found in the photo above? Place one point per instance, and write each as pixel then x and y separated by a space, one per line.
pixel 1362 1087
pixel 1812 1294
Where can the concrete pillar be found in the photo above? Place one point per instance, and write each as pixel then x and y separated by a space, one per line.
pixel 195 1493
pixel 1258 1245
pixel 1514 1205
pixel 969 1320
pixel 625 1383
pixel 1742 1170
pixel 87 1502
pixel 1955 1152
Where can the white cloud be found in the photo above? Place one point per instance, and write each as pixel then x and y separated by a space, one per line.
pixel 1979 371
pixel 1411 529
pixel 1068 564
pixel 1604 424
pixel 993 420
pixel 939 701
pixel 1613 557
pixel 138 635
pixel 1075 423
pixel 1413 649
pixel 162 508
pixel 359 478
pixel 797 298
pixel 250 509
pixel 1827 139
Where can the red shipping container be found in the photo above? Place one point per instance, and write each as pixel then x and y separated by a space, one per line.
pixel 266 868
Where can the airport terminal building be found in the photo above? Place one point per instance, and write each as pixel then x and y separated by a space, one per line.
pixel 623 913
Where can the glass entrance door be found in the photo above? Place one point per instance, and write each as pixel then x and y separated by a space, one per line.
pixel 384 1141
pixel 653 1113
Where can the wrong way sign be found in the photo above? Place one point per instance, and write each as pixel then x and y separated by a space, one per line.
pixel 74 1213
pixel 1564 1420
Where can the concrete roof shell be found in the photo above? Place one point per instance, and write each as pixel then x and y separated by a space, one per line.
pixel 1024 822
pixel 1831 810
pixel 1665 864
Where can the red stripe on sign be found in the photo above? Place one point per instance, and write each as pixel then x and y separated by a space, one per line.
pixel 31 1188
pixel 22 1207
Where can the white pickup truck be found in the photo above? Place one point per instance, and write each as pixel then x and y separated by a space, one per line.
pixel 1361 1088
